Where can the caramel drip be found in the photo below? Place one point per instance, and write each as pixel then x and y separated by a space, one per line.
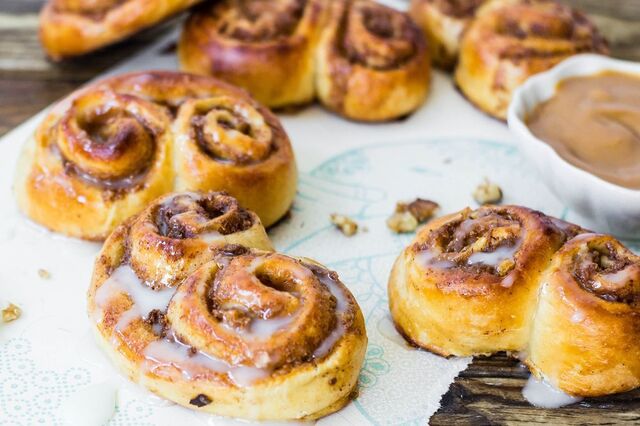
pixel 108 139
pixel 377 36
pixel 229 129
pixel 535 24
pixel 458 8
pixel 262 310
pixel 187 216
pixel 258 20
pixel 608 270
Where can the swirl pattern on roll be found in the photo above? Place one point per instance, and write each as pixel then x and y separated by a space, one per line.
pixel 233 326
pixel 467 284
pixel 443 22
pixel 514 39
pixel 109 149
pixel 287 52
pixel 372 62
pixel 585 334
pixel 71 28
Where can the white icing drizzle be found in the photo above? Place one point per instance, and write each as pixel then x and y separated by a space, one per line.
pixel 92 405
pixel 496 257
pixel 541 394
pixel 211 237
pixel 124 280
pixel 428 258
pixel 341 308
pixel 165 353
pixel 621 277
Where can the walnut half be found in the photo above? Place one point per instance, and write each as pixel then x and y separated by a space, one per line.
pixel 487 193
pixel 408 216
pixel 346 225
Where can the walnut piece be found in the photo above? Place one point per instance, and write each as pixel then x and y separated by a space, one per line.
pixel 408 216
pixel 346 225
pixel 401 222
pixel 11 313
pixel 44 274
pixel 487 193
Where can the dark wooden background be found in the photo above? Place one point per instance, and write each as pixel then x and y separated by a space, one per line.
pixel 489 391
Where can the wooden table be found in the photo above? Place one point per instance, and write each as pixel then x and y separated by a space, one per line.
pixel 489 391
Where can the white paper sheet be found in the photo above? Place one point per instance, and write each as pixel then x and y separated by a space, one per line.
pixel 441 152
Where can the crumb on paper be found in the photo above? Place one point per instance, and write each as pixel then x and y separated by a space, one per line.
pixel 408 216
pixel 346 225
pixel 487 193
pixel 44 274
pixel 11 313
pixel 402 222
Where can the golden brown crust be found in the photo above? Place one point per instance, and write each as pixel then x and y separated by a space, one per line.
pixel 75 27
pixel 587 322
pixel 510 40
pixel 442 22
pixel 467 283
pixel 372 62
pixel 266 47
pixel 109 149
pixel 362 60
pixel 248 333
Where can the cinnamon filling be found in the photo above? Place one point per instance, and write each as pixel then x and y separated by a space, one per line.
pixel 377 37
pixel 608 272
pixel 544 22
pixel 482 241
pixel 230 131
pixel 185 216
pixel 258 20
pixel 105 145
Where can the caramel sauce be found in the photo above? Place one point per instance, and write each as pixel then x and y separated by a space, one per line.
pixel 594 123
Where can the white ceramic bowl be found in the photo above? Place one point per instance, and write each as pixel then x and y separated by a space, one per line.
pixel 603 206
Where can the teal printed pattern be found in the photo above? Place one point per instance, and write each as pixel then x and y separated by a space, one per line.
pixel 365 184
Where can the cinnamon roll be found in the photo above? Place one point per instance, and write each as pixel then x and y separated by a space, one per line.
pixel 467 284
pixel 247 333
pixel 443 22
pixel 75 27
pixel 586 331
pixel 232 144
pixel 266 47
pixel 511 40
pixel 372 62
pixel 108 150
pixel 361 59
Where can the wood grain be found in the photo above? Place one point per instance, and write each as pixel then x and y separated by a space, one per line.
pixel 489 391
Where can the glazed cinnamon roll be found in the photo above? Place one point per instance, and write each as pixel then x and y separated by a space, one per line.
pixel 587 322
pixel 249 333
pixel 467 284
pixel 75 27
pixel 372 62
pixel 443 22
pixel 510 40
pixel 111 148
pixel 266 47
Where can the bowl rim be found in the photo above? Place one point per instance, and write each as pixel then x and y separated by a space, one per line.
pixel 585 64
